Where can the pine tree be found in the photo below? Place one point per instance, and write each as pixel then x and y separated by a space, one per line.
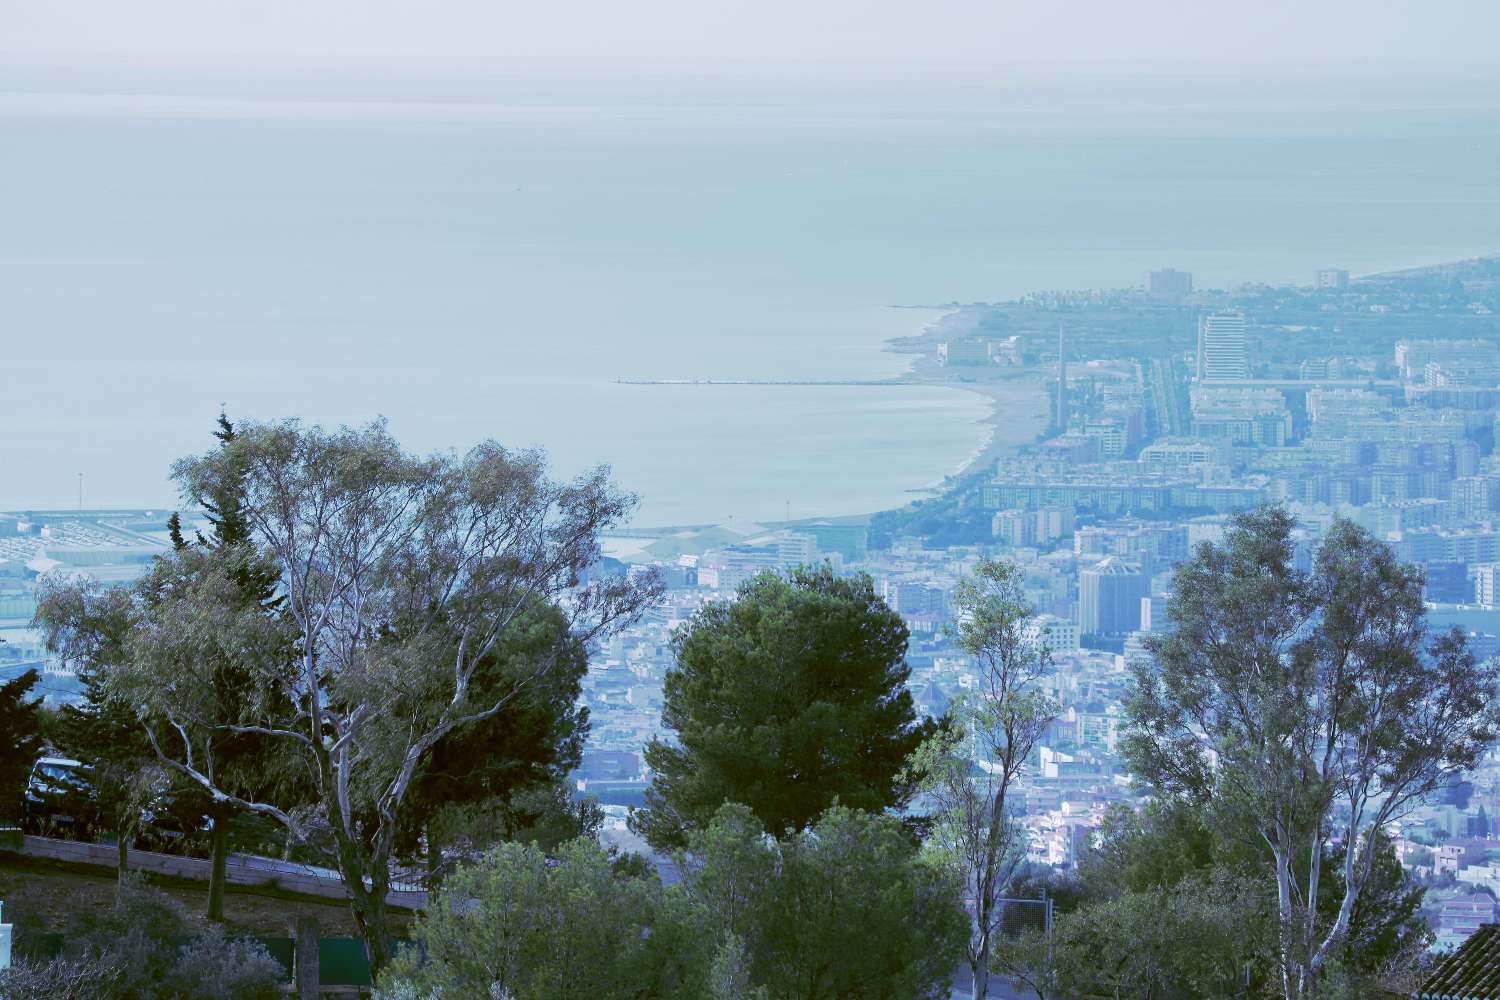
pixel 240 757
pixel 20 738
pixel 787 700
pixel 106 736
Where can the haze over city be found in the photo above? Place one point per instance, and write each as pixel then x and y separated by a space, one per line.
pixel 760 501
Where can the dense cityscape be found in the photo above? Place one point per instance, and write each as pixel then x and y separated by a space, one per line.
pixel 1372 399
pixel 1170 410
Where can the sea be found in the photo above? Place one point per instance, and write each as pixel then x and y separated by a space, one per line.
pixel 484 257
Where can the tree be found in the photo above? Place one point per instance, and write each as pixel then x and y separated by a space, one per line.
pixel 786 699
pixel 1172 841
pixel 201 621
pixel 173 603
pixel 1156 847
pixel 20 721
pixel 519 925
pixel 1199 938
pixel 400 575
pixel 89 626
pixel 968 774
pixel 1312 707
pixel 846 908
pixel 506 770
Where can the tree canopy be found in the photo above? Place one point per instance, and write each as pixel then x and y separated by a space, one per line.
pixel 397 577
pixel 844 909
pixel 21 723
pixel 506 766
pixel 1310 707
pixel 786 699
pixel 967 773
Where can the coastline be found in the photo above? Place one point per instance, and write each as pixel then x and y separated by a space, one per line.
pixel 1009 425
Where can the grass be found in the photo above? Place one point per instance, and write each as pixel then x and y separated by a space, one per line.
pixel 44 894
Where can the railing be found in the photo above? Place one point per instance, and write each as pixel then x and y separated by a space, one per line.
pixel 240 869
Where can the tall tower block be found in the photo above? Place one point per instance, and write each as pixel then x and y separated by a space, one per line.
pixel 1062 378
pixel 1221 348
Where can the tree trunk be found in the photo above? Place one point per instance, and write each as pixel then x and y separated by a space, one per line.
pixel 369 917
pixel 367 903
pixel 434 854
pixel 122 847
pixel 219 842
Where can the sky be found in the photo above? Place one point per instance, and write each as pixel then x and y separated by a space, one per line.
pixel 476 35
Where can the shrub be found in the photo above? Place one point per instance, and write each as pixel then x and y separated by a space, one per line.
pixel 126 952
pixel 60 979
pixel 215 966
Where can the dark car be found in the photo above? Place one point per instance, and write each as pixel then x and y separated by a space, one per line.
pixel 60 799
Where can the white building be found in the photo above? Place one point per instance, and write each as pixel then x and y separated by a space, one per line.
pixel 1331 279
pixel 1487 584
pixel 1221 348
pixel 1182 453
pixel 1055 635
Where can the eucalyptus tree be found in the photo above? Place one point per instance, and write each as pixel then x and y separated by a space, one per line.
pixel 1312 707
pixel 969 772
pixel 398 576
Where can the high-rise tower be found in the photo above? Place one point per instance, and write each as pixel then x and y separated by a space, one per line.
pixel 1062 379
pixel 1221 348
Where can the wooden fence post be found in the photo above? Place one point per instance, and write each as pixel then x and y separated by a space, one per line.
pixel 305 958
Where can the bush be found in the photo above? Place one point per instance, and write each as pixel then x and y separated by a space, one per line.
pixel 60 979
pixel 543 929
pixel 217 966
pixel 127 952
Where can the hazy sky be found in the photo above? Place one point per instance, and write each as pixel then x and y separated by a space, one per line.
pixel 428 35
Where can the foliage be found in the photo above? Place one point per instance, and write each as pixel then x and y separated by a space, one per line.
pixel 60 979
pixel 89 626
pixel 1168 843
pixel 968 774
pixel 1154 847
pixel 1308 707
pixel 846 908
pixel 729 975
pixel 516 924
pixel 21 722
pixel 206 610
pixel 854 911
pixel 843 909
pixel 503 775
pixel 1196 939
pixel 1388 935
pixel 398 576
pixel 126 952
pixel 214 965
pixel 786 699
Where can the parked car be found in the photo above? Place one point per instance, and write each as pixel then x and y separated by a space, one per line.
pixel 60 799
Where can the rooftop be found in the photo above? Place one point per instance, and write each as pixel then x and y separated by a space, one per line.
pixel 1470 973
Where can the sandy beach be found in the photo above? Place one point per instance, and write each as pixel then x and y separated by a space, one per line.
pixel 1017 396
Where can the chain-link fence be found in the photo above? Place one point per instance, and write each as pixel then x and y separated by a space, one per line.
pixel 1020 915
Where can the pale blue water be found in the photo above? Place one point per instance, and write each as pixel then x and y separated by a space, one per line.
pixel 478 259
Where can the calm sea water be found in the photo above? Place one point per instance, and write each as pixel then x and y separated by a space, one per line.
pixel 484 258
